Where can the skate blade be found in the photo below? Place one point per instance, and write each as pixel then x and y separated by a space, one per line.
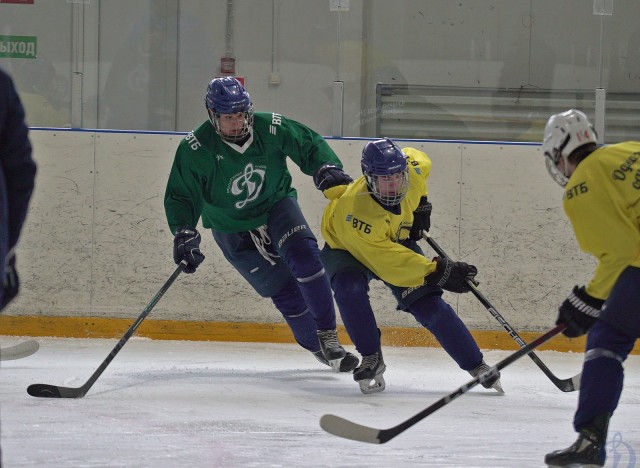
pixel 576 465
pixel 335 364
pixel 497 386
pixel 372 386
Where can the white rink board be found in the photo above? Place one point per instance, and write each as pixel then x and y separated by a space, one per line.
pixel 96 242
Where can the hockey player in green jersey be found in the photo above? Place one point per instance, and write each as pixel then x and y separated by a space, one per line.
pixel 232 172
pixel 602 201
pixel 371 232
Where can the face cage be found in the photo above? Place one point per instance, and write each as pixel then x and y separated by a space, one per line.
pixel 244 131
pixel 388 200
pixel 560 178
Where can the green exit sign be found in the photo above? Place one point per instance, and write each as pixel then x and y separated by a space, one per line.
pixel 18 47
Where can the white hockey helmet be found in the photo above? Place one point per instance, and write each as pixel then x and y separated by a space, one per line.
pixel 564 133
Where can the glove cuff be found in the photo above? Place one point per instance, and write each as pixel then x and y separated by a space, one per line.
pixel 585 303
pixel 424 206
pixel 446 271
pixel 330 175
pixel 183 229
pixel 441 274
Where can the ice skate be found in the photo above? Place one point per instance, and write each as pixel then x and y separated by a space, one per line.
pixel 587 451
pixel 492 381
pixel 369 373
pixel 331 349
pixel 347 364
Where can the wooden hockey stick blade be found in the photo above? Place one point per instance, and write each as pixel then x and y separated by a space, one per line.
pixel 566 385
pixel 19 351
pixel 349 430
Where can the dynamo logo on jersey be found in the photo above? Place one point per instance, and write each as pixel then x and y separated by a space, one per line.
pixel 621 454
pixel 248 184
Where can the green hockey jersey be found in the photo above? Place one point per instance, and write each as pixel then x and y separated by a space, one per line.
pixel 234 187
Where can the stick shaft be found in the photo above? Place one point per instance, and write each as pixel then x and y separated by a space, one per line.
pixel 349 430
pixel 53 391
pixel 566 385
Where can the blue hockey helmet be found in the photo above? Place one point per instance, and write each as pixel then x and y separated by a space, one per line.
pixel 386 171
pixel 227 96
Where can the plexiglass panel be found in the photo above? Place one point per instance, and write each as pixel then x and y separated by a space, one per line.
pixel 413 68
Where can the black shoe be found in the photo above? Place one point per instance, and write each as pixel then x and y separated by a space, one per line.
pixel 369 373
pixel 331 349
pixel 588 451
pixel 347 364
pixel 492 382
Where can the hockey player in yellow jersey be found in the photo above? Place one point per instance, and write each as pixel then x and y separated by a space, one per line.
pixel 370 233
pixel 601 199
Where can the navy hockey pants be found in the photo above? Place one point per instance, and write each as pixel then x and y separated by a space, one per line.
pixel 350 283
pixel 296 281
pixel 609 343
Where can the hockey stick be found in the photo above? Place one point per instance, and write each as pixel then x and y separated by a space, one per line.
pixel 349 430
pixel 566 385
pixel 19 351
pixel 53 391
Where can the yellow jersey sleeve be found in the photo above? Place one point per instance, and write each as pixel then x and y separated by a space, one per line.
pixel 334 192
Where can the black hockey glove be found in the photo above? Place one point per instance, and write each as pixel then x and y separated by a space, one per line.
pixel 451 275
pixel 186 246
pixel 328 177
pixel 10 282
pixel 421 219
pixel 579 312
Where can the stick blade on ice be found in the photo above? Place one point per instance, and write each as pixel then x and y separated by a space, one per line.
pixel 53 391
pixel 19 351
pixel 349 430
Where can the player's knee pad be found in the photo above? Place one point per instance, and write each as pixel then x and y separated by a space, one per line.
pixel 605 340
pixel 597 353
pixel 303 258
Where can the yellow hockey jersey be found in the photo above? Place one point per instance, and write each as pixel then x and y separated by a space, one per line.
pixel 601 201
pixel 357 223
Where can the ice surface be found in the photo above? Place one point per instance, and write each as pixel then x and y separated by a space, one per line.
pixel 211 404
